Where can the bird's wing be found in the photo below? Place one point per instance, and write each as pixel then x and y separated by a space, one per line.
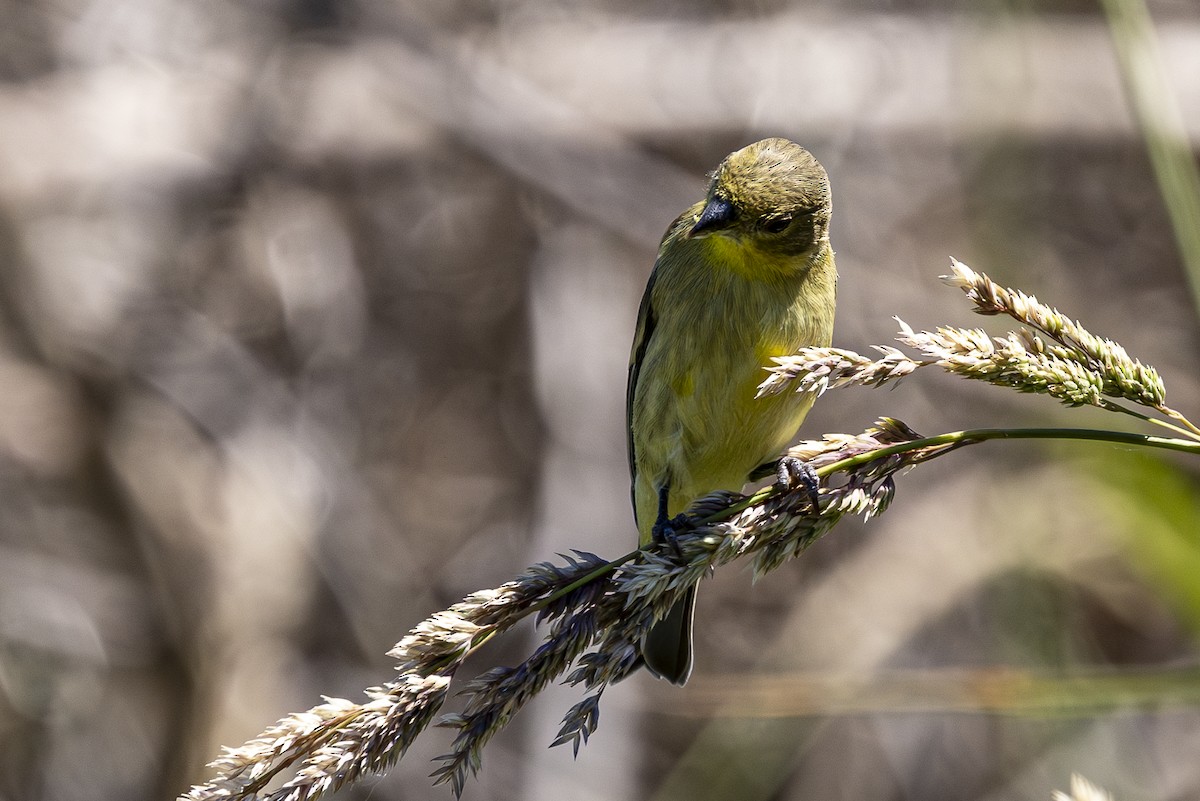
pixel 641 340
pixel 647 317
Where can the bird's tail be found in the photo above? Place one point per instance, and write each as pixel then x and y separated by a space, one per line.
pixel 667 647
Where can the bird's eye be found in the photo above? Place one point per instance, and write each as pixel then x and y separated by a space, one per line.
pixel 776 225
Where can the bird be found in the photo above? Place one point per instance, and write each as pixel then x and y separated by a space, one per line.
pixel 744 275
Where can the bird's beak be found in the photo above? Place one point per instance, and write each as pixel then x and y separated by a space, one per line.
pixel 717 215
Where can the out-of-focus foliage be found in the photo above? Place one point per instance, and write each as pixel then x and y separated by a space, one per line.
pixel 314 317
pixel 1154 507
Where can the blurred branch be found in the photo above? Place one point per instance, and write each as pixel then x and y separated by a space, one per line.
pixel 544 141
pixel 1000 690
pixel 1148 88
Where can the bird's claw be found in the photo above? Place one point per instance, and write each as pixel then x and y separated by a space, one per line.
pixel 666 531
pixel 792 473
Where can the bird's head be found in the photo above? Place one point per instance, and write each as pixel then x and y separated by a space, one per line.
pixel 771 195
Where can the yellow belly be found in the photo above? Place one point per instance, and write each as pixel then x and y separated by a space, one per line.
pixel 697 424
pixel 720 312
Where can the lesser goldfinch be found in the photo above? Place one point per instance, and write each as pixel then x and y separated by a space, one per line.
pixel 743 275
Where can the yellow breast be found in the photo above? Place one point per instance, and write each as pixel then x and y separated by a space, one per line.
pixel 695 420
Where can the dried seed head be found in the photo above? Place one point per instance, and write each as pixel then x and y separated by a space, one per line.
pixel 1122 376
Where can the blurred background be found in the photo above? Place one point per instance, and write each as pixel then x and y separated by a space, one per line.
pixel 315 316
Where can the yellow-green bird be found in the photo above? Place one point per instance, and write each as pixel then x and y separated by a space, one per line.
pixel 743 275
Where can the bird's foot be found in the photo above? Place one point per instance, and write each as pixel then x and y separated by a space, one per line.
pixel 667 531
pixel 791 473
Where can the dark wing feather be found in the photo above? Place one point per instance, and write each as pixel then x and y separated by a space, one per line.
pixel 641 340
